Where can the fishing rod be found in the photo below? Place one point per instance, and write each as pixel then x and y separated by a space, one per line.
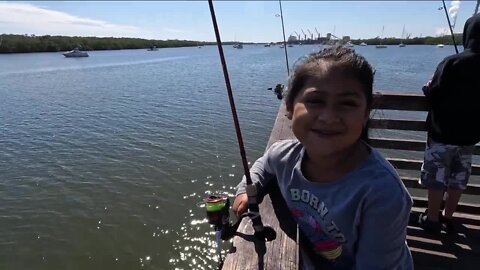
pixel 217 206
pixel 284 41
pixel 279 88
pixel 450 26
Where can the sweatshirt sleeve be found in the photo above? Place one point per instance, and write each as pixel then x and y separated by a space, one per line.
pixel 383 230
pixel 261 171
pixel 437 84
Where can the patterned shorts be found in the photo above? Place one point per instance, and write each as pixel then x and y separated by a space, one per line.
pixel 446 165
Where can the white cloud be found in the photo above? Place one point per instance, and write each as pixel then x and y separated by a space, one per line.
pixel 440 31
pixel 19 18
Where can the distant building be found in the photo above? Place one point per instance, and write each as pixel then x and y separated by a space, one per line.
pixel 346 38
pixel 292 38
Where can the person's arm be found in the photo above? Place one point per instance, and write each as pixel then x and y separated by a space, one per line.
pixel 383 229
pixel 436 85
pixel 261 174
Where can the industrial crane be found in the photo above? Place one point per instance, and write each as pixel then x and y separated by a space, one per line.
pixel 318 37
pixel 298 35
pixel 304 35
pixel 311 35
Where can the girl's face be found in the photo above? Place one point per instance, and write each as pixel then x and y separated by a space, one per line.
pixel 329 113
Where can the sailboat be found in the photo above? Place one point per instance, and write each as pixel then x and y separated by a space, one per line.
pixel 403 33
pixel 381 46
pixel 238 46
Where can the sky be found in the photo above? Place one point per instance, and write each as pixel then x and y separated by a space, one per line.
pixel 246 21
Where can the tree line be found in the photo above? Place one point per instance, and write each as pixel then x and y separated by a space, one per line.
pixel 31 43
pixel 446 40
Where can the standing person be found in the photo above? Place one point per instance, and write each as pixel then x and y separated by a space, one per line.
pixel 350 204
pixel 453 95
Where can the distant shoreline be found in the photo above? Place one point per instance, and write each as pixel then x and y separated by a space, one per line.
pixel 31 43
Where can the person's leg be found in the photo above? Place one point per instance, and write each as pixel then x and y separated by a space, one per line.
pixel 434 173
pixel 435 199
pixel 453 197
pixel 460 173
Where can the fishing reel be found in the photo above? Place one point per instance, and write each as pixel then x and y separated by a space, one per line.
pixel 218 215
pixel 218 211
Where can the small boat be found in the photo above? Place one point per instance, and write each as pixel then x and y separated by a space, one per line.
pixel 238 46
pixel 401 45
pixel 363 44
pixel 152 48
pixel 266 45
pixel 381 46
pixel 440 45
pixel 349 44
pixel 75 53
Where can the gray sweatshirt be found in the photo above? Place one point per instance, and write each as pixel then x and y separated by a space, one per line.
pixel 356 222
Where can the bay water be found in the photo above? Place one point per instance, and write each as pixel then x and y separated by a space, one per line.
pixel 105 160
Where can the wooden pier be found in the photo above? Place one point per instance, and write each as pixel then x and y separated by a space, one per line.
pixel 458 251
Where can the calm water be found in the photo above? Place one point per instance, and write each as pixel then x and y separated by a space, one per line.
pixel 104 160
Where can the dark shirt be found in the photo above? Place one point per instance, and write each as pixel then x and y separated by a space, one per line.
pixel 453 94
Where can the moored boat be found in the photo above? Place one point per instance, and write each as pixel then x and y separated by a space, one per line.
pixel 401 45
pixel 75 53
pixel 381 46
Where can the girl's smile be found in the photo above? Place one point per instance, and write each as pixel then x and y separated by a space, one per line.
pixel 329 113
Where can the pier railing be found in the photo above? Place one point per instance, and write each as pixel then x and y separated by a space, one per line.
pixel 398 131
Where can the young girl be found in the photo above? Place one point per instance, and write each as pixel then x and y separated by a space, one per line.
pixel 350 204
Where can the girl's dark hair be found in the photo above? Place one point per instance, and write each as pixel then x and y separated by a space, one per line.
pixel 316 64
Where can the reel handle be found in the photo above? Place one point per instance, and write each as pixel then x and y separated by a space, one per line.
pixel 229 230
